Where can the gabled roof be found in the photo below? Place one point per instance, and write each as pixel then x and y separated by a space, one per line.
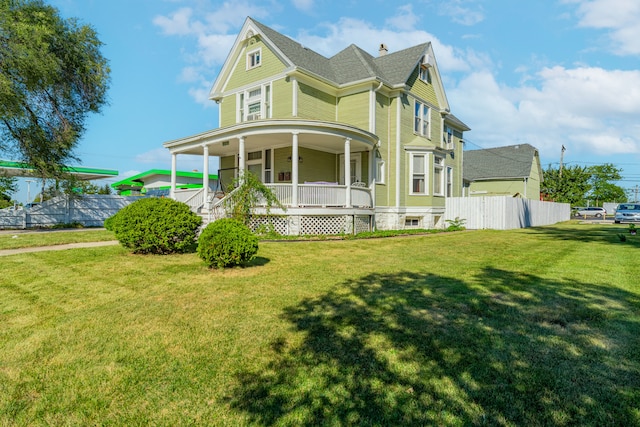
pixel 350 65
pixel 514 161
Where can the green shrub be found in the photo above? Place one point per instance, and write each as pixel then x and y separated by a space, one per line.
pixel 108 223
pixel 227 242
pixel 156 226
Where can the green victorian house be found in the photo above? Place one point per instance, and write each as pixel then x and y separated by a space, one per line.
pixel 348 143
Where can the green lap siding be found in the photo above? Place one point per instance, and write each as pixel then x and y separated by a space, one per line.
pixel 315 104
pixel 354 109
pixel 269 67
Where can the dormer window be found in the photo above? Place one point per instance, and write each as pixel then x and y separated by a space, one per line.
pixel 254 59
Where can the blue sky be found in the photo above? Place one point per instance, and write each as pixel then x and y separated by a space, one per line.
pixel 547 72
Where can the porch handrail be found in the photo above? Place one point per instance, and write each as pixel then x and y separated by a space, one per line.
pixel 194 198
pixel 216 209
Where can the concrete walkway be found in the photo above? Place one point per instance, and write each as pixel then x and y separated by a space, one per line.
pixel 5 252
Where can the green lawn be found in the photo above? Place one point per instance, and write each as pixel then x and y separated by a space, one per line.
pixel 526 327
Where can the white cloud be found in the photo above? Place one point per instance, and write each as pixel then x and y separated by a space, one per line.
pixel 369 37
pixel 177 23
pixel 404 19
pixel 619 17
pixel 585 108
pixel 156 156
pixel 303 5
pixel 463 12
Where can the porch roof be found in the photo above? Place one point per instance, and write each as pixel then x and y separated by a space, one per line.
pixel 258 134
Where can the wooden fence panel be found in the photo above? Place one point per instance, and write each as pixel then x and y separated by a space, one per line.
pixel 505 213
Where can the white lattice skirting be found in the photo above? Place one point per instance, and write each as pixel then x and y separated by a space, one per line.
pixel 300 225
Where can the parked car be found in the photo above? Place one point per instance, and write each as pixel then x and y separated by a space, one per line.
pixel 627 212
pixel 592 211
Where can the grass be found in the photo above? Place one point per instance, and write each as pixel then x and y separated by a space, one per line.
pixel 525 327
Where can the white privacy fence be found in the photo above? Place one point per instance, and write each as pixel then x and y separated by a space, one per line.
pixel 505 213
pixel 89 210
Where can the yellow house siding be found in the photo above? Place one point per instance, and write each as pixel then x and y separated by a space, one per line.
pixel 282 105
pixel 315 104
pixel 354 109
pixel 315 165
pixel 422 89
pixel 270 65
pixel 228 108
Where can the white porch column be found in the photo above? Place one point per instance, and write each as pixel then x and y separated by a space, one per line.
pixel 241 155
pixel 372 175
pixel 295 159
pixel 205 173
pixel 347 171
pixel 174 162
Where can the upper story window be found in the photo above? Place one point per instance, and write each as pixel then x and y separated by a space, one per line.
pixel 254 59
pixel 254 104
pixel 422 124
pixel 418 173
pixel 447 137
pixel 438 175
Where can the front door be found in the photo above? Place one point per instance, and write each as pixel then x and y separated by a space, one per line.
pixel 356 168
pixel 254 164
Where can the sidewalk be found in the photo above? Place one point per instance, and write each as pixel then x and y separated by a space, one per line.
pixel 5 252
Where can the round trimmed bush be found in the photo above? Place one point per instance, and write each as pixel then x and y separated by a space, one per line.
pixel 227 242
pixel 156 226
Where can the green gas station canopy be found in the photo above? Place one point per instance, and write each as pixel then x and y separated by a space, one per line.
pixel 19 169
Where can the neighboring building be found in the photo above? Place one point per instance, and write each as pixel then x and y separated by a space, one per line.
pixel 347 143
pixel 159 181
pixel 503 171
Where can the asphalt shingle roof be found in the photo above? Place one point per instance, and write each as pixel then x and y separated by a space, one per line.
pixel 513 161
pixel 350 64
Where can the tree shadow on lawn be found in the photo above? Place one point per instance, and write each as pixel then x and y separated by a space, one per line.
pixel 423 349
pixel 590 233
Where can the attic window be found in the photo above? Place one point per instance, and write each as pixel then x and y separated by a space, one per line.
pixel 425 75
pixel 254 59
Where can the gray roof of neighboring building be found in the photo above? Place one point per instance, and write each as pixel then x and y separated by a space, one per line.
pixel 512 161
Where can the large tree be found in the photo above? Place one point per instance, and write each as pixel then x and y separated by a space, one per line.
pixel 8 186
pixel 52 75
pixel 569 185
pixel 602 181
pixel 582 185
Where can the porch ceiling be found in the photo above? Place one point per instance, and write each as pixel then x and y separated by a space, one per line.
pixel 260 134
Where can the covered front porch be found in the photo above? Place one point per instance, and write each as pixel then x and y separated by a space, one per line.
pixel 313 167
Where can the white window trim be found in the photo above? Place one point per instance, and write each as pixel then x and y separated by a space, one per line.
pixel 420 116
pixel 243 101
pixel 250 55
pixel 448 173
pixel 442 168
pixel 427 158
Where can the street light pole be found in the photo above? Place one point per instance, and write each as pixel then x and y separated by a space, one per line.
pixel 29 181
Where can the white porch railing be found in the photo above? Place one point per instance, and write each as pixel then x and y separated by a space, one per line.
pixel 309 195
pixel 320 195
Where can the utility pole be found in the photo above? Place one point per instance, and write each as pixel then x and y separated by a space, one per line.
pixel 561 159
